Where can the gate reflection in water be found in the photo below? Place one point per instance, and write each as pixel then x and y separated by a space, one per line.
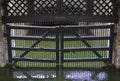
pixel 52 74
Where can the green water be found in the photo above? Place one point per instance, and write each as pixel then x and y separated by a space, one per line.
pixel 65 74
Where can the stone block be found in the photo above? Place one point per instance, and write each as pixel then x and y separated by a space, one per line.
pixel 116 48
pixel 1 55
pixel 0 27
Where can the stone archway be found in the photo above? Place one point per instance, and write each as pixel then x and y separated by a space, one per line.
pixel 3 49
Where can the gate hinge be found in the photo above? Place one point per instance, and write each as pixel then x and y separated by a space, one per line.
pixel 115 33
pixel 5 34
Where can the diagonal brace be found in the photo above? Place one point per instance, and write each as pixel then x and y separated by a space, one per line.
pixel 88 45
pixel 38 41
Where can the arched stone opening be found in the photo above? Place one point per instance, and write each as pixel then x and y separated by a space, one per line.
pixel 3 46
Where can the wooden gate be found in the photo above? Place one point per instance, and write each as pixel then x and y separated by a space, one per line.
pixel 59 31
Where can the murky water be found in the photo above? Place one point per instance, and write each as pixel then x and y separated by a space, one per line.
pixel 52 74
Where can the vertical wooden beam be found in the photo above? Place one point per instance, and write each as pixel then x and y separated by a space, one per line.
pixel 30 7
pixel 57 49
pixel 62 47
pixel 9 45
pixel 111 43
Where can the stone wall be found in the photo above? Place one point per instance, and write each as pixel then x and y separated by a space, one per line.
pixel 0 37
pixel 116 57
pixel 3 51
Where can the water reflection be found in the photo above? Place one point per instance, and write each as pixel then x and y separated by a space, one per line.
pixel 73 75
pixel 59 75
pixel 80 75
pixel 86 76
